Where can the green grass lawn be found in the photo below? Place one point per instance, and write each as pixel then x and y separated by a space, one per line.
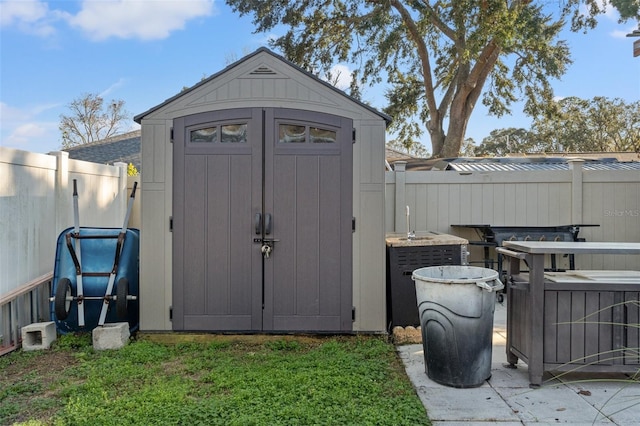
pixel 347 380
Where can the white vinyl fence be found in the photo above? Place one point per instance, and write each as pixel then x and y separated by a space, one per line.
pixel 439 199
pixel 36 205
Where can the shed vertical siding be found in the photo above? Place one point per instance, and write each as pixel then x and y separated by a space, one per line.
pixel 369 247
pixel 155 238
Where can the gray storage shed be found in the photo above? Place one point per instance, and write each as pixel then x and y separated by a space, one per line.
pixel 262 205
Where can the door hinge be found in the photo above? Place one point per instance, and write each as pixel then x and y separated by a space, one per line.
pixel 171 137
pixel 353 224
pixel 170 223
pixel 353 136
pixel 170 313
pixel 353 313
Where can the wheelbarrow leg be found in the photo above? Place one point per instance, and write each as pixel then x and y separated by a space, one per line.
pixel 114 270
pixel 105 303
pixel 79 288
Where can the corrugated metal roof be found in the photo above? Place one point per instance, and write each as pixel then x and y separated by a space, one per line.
pixel 535 164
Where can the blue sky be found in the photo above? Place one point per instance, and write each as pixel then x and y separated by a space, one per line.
pixel 145 51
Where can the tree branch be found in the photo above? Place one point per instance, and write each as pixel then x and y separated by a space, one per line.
pixel 423 53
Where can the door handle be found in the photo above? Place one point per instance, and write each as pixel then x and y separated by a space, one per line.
pixel 267 224
pixel 258 223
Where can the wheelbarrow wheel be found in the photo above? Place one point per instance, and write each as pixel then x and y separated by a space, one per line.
pixel 61 305
pixel 121 301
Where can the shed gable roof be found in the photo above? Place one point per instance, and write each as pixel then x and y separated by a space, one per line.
pixel 252 67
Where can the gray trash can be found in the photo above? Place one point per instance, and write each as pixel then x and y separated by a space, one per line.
pixel 456 305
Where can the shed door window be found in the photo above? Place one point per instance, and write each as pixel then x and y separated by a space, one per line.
pixel 233 133
pixel 295 133
pixel 291 133
pixel 209 134
pixel 226 133
pixel 318 135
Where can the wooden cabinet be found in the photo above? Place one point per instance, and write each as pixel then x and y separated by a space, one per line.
pixel 587 321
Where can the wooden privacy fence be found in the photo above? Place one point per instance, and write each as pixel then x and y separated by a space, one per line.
pixel 439 199
pixel 36 205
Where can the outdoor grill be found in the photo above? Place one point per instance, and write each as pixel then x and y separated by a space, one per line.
pixel 493 236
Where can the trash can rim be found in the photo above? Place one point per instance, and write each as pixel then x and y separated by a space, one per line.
pixel 473 274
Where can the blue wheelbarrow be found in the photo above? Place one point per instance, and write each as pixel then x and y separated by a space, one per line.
pixel 95 277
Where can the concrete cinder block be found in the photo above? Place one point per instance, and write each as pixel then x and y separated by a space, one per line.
pixel 111 336
pixel 38 336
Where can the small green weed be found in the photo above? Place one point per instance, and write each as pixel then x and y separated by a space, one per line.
pixel 283 345
pixel 73 341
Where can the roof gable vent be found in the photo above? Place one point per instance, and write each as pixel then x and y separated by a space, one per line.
pixel 263 70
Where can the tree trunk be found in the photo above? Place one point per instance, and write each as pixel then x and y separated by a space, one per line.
pixel 455 136
pixel 448 145
pixel 463 101
pixel 438 140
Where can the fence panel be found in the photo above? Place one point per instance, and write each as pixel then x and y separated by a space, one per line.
pixel 27 216
pixel 439 199
pixel 36 204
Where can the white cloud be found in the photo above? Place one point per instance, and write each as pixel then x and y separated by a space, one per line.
pixel 28 11
pixel 266 39
pixel 132 126
pixel 622 33
pixel 22 127
pixel 610 11
pixel 121 82
pixel 29 16
pixel 11 114
pixel 340 76
pixel 142 19
pixel 25 132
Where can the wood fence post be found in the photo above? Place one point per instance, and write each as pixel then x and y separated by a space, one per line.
pixel 399 168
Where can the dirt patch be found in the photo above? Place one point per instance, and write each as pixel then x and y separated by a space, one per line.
pixel 49 363
pixel 25 384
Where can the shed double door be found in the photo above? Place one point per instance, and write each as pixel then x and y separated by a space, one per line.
pixel 262 217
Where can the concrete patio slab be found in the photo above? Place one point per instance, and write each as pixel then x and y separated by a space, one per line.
pixel 507 399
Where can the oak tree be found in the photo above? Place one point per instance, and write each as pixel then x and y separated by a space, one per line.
pixel 597 125
pixel 438 58
pixel 501 142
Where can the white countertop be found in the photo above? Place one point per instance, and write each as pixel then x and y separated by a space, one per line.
pixel 612 277
pixel 572 247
